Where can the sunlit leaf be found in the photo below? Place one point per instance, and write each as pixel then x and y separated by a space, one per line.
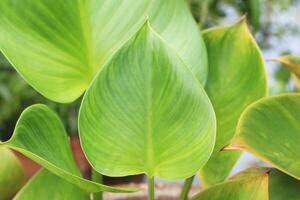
pixel 173 20
pixel 236 79
pixel 59 46
pixel 147 113
pixel 270 129
pixel 45 185
pixel 12 175
pixel 40 135
pixel 248 185
pixel 254 184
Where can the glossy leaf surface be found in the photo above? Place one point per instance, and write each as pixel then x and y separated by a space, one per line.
pixel 12 174
pixel 147 113
pixel 270 129
pixel 236 79
pixel 40 135
pixel 59 46
pixel 45 185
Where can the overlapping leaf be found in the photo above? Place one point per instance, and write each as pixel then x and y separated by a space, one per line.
pixel 254 183
pixel 45 185
pixel 236 79
pixel 147 113
pixel 270 129
pixel 173 20
pixel 12 174
pixel 59 46
pixel 40 135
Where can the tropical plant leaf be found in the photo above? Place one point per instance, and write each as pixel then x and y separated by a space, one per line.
pixel 12 175
pixel 254 183
pixel 172 19
pixel 45 185
pixel 248 185
pixel 270 129
pixel 40 135
pixel 147 111
pixel 59 46
pixel 236 79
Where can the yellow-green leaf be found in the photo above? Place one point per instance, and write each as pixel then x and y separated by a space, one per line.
pixel 254 184
pixel 270 129
pixel 46 186
pixel 147 113
pixel 248 185
pixel 173 20
pixel 40 135
pixel 12 174
pixel 236 79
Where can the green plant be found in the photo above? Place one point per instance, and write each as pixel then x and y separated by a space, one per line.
pixel 156 102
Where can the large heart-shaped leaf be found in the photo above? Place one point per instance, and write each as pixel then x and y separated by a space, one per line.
pixel 45 185
pixel 254 184
pixel 40 135
pixel 59 46
pixel 12 174
pixel 147 113
pixel 236 79
pixel 270 129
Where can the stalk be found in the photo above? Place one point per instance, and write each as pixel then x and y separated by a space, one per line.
pixel 186 188
pixel 151 188
pixel 98 178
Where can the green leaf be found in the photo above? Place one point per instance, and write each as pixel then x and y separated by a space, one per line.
pixel 236 79
pixel 270 129
pixel 254 184
pixel 172 19
pixel 59 46
pixel 45 185
pixel 147 113
pixel 12 174
pixel 248 185
pixel 40 135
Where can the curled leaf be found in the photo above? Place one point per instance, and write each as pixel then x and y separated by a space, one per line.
pixel 40 135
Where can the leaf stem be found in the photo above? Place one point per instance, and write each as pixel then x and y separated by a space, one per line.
pixel 186 188
pixel 98 178
pixel 151 188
